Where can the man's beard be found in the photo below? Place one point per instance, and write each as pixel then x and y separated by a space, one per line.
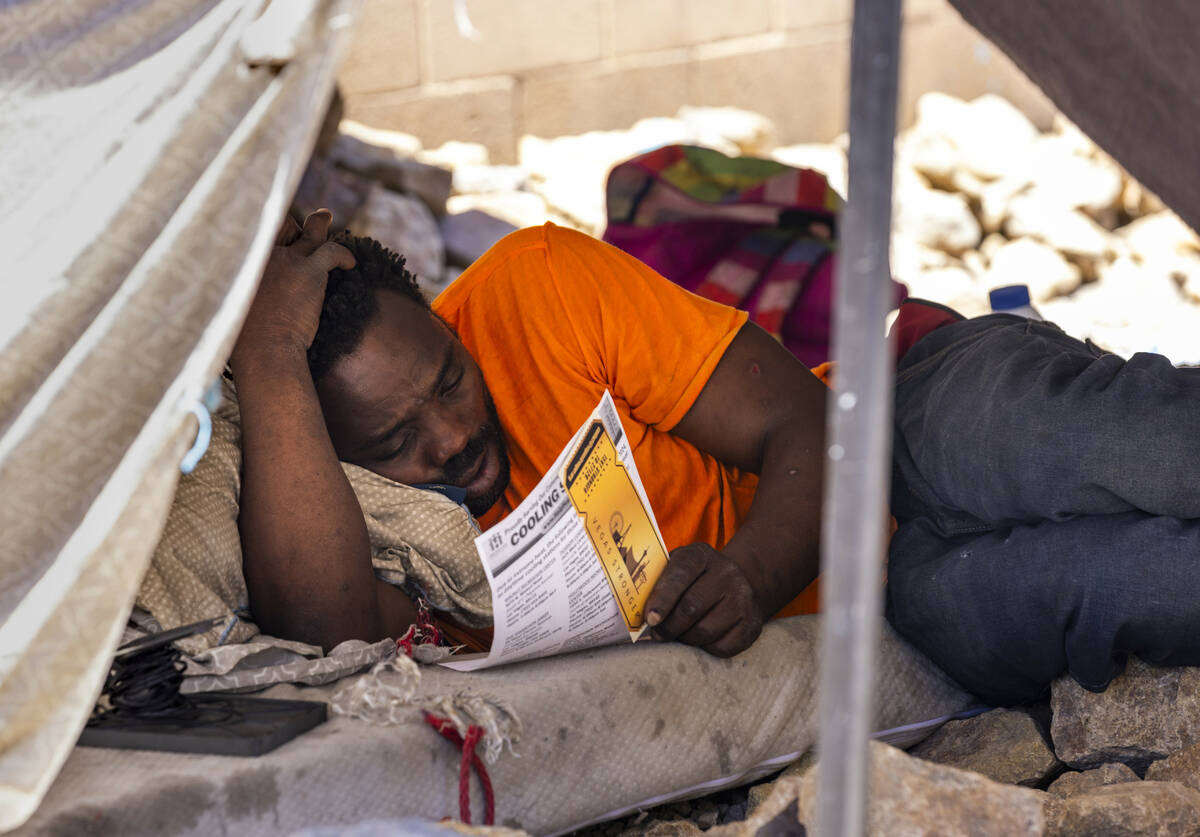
pixel 461 463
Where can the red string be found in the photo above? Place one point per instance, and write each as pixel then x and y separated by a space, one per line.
pixel 422 632
pixel 425 624
pixel 470 759
pixel 405 643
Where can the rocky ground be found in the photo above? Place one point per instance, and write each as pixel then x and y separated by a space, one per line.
pixel 982 199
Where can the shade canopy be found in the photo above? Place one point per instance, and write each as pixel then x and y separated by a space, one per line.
pixel 151 148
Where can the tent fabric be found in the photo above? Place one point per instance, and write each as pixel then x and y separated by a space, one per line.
pixel 151 149
pixel 605 732
pixel 1127 73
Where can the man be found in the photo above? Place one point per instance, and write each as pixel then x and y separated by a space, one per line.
pixel 1043 489
pixel 726 427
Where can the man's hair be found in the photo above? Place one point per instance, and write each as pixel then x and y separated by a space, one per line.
pixel 351 299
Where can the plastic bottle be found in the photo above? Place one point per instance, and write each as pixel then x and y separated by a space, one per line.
pixel 1013 299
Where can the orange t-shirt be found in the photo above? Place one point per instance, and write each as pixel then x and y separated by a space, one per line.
pixel 553 318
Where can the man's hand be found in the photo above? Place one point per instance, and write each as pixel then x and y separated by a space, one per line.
pixel 703 598
pixel 287 309
pixel 763 412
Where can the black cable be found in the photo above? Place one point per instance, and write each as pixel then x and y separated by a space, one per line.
pixel 142 688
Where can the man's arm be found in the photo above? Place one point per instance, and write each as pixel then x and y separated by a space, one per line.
pixel 764 412
pixel 305 551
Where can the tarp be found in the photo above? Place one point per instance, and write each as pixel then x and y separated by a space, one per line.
pixel 1126 72
pixel 151 148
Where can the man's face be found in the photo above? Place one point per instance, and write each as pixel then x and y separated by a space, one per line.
pixel 410 404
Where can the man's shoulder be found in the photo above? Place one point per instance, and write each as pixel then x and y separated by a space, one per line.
pixel 522 264
pixel 484 272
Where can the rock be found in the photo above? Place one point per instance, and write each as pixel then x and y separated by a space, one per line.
pixel 1004 745
pixel 941 113
pixel 992 137
pixel 400 174
pixel 1182 767
pixel 1029 262
pixel 995 138
pixel 1137 200
pixel 761 792
pixel 1076 140
pixel 936 219
pixel 827 158
pixel 1072 233
pixel 752 133
pixel 1072 783
pixel 951 285
pixel 521 209
pixel 969 184
pixel 975 263
pixel 990 244
pixel 758 795
pixel 663 828
pixel 401 144
pixel 1131 808
pixel 453 154
pixel 432 286
pixel 910 796
pixel 405 225
pixel 468 235
pixel 734 813
pixel 1185 272
pixel 570 172
pixel 1146 713
pixel 471 179
pixel 1159 236
pixel 704 813
pixel 910 257
pixel 939 277
pixel 451 273
pixel 1131 308
pixel 595 152
pixel 327 186
pixel 1071 180
pixel 931 154
pixel 579 199
pixel 994 200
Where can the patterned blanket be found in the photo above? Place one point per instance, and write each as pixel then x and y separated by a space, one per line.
pixel 747 232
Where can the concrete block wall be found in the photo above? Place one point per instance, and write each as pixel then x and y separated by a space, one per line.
pixel 553 67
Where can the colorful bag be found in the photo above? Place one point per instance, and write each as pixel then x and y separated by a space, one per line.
pixel 751 233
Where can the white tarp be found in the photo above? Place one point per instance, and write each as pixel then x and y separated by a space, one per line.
pixel 150 150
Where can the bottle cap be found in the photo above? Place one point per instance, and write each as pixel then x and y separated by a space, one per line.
pixel 1009 297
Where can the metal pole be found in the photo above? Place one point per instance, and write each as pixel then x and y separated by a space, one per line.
pixel 859 452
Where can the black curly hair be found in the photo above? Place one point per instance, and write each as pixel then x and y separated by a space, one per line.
pixel 351 301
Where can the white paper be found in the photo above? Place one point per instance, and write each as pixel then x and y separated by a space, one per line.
pixel 550 590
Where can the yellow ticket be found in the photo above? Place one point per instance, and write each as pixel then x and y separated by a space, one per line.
pixel 618 524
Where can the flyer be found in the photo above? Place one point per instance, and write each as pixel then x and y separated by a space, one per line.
pixel 572 566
